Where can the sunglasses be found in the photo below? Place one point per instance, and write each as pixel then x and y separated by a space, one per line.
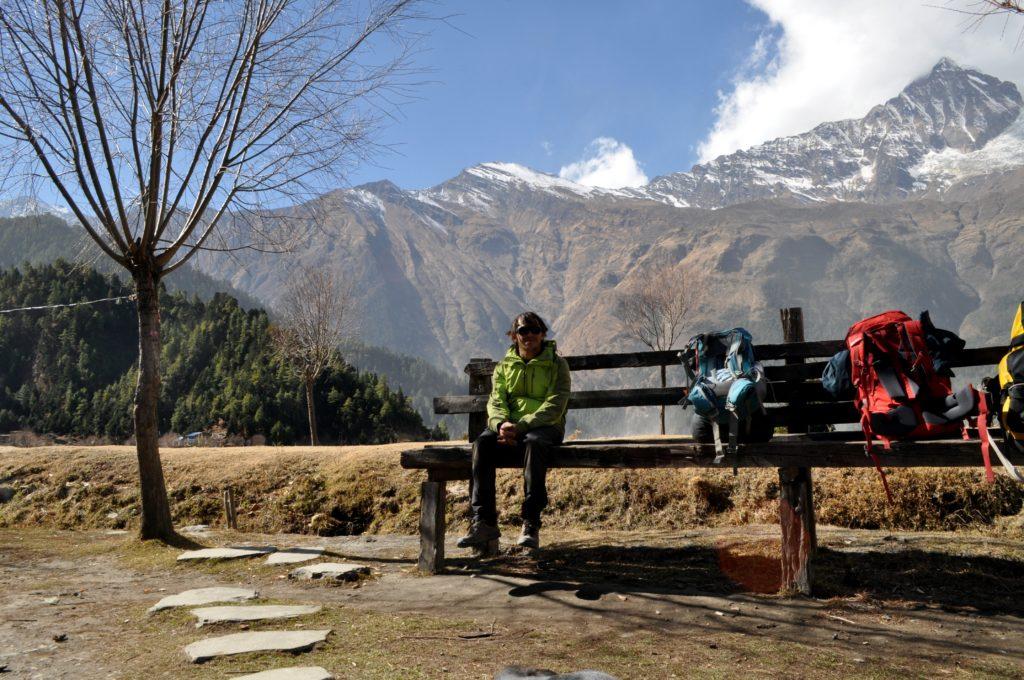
pixel 529 330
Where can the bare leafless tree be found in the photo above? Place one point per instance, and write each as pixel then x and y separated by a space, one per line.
pixel 151 119
pixel 656 305
pixel 317 315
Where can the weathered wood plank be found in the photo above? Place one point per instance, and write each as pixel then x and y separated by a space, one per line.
pixel 432 528
pixel 479 387
pixel 818 349
pixel 645 396
pixel 809 452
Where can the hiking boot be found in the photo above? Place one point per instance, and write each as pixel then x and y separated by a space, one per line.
pixel 480 534
pixel 529 537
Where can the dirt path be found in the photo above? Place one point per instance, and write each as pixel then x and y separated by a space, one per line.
pixel 656 605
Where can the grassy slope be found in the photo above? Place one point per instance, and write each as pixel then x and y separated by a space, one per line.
pixel 340 490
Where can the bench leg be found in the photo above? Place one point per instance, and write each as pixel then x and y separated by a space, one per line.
pixel 799 537
pixel 432 502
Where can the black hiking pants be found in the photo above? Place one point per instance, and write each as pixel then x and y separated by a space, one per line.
pixel 536 446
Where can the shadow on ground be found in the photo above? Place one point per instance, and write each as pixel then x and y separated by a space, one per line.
pixel 983 584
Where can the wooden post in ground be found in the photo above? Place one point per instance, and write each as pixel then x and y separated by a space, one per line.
pixel 478 384
pixel 432 523
pixel 229 508
pixel 796 496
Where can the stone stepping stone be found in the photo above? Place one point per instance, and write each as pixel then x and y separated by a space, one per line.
pixel 293 555
pixel 258 641
pixel 224 553
pixel 258 612
pixel 294 673
pixel 338 571
pixel 200 596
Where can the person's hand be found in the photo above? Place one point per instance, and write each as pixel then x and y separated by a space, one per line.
pixel 507 434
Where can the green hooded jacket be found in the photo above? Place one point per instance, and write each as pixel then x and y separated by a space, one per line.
pixel 530 394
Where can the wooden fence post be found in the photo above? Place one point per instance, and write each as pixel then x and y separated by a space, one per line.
pixel 796 495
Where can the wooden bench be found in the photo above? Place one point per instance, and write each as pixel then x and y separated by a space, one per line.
pixel 796 402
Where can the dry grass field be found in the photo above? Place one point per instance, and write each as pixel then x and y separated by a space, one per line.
pixel 356 489
pixel 643 574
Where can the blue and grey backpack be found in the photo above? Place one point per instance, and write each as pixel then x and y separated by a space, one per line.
pixel 727 384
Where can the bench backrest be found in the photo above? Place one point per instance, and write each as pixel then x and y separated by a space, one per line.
pixel 795 400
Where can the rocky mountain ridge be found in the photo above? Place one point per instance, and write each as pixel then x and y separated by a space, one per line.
pixel 899 209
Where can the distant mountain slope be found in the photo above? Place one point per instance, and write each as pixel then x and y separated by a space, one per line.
pixel 41 238
pixel 917 205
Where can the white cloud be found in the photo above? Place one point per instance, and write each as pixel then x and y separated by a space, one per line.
pixel 606 163
pixel 822 61
pixel 547 146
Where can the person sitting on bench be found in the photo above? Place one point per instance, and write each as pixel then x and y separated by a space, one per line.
pixel 526 410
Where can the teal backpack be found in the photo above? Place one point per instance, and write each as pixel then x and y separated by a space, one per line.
pixel 727 384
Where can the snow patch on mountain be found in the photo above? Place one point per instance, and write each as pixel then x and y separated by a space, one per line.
pixel 942 168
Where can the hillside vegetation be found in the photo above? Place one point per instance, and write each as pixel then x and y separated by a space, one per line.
pixel 72 370
pixel 356 489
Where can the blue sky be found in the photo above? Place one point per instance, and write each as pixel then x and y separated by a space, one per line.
pixel 647 87
pixel 535 82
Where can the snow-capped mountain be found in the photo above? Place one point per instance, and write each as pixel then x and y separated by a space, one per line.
pixel 440 271
pixel 25 206
pixel 925 134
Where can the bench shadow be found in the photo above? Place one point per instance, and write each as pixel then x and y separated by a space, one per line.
pixel 980 584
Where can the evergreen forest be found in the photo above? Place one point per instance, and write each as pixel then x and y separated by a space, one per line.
pixel 71 370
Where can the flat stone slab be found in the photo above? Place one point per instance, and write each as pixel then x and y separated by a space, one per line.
pixel 223 553
pixel 293 555
pixel 254 641
pixel 294 673
pixel 200 596
pixel 259 612
pixel 339 571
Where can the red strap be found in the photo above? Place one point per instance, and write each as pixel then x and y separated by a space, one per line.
pixel 990 476
pixel 885 482
pixel 869 435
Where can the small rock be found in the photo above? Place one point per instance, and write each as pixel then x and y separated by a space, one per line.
pixel 713 646
pixel 259 641
pixel 111 515
pixel 51 600
pixel 293 555
pixel 835 636
pixel 201 596
pixel 235 614
pixel 339 571
pixel 60 637
pixel 294 673
pixel 6 493
pixel 224 553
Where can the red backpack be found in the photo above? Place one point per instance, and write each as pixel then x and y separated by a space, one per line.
pixel 900 395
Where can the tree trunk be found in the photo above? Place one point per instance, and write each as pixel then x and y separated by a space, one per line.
pixel 663 406
pixel 156 512
pixel 311 410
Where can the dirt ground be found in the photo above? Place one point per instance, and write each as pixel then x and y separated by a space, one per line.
pixel 654 604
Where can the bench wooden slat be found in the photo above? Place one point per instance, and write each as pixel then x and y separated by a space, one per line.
pixel 809 453
pixel 978 356
pixel 645 396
